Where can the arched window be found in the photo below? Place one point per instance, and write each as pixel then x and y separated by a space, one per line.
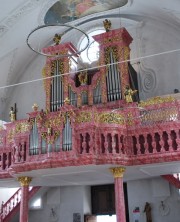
pixel 91 54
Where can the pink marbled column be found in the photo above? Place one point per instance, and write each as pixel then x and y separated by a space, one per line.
pixel 119 193
pixel 25 181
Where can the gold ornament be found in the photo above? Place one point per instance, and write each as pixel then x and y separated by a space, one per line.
pixel 118 171
pixel 24 181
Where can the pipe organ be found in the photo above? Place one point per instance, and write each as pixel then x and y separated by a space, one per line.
pixel 83 88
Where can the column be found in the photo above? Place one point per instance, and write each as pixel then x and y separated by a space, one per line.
pixel 119 193
pixel 24 181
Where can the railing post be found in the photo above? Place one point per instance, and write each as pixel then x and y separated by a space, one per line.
pixel 1 215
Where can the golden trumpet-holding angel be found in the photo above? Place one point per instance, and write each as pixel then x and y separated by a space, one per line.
pixel 128 94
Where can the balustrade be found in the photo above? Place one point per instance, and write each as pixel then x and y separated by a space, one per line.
pixel 91 131
pixel 155 142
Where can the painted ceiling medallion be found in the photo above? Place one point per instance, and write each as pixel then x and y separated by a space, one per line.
pixel 66 10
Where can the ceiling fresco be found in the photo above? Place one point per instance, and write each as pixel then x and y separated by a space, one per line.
pixel 69 10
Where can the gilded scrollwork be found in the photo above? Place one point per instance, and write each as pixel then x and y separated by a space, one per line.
pixel 20 127
pixel 114 51
pixel 61 67
pixel 116 38
pixel 84 117
pixel 54 121
pixel 50 139
pixel 156 100
pixel 109 117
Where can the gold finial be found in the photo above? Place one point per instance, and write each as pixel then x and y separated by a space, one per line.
pixel 57 39
pixel 118 171
pixel 67 101
pixel 24 181
pixel 35 107
pixel 107 25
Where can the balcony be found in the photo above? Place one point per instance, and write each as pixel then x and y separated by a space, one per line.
pixel 114 134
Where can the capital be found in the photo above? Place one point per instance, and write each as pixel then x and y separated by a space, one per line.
pixel 117 171
pixel 24 181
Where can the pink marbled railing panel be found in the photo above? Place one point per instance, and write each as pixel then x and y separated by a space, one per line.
pixel 161 138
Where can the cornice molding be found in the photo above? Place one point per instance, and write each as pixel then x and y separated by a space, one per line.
pixel 13 18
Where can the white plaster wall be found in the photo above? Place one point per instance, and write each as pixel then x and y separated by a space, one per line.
pixel 153 191
pixel 6 193
pixel 27 94
pixel 159 74
pixel 72 200
pixel 87 200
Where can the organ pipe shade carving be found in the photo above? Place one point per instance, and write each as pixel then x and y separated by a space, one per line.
pixel 113 76
pixel 57 95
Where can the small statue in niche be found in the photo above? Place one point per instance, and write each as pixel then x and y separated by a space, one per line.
pixel 49 131
pixel 107 25
pixel 83 78
pixel 128 94
pixel 67 101
pixel 147 210
pixel 12 113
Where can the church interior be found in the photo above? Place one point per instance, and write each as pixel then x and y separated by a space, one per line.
pixel 89 111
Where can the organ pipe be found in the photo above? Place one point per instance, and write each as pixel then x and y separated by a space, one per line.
pixel 113 78
pixel 67 135
pixel 97 94
pixel 34 139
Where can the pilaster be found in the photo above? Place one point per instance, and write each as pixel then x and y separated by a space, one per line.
pixel 118 173
pixel 24 181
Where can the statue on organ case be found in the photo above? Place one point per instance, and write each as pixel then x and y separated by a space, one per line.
pixel 128 94
pixel 12 113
